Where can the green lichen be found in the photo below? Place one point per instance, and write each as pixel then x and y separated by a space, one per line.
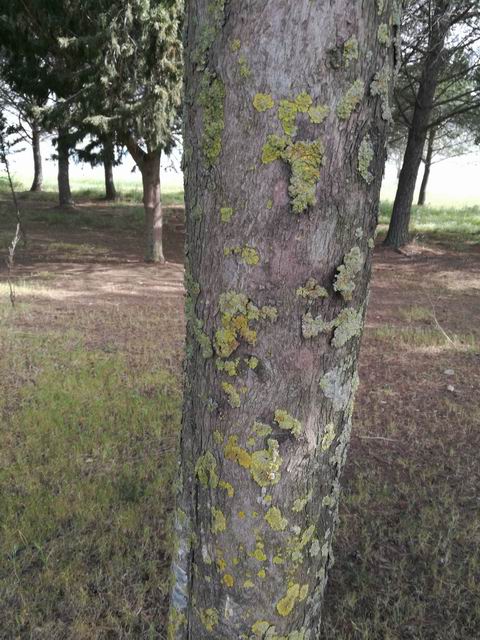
pixel 313 327
pixel 318 113
pixel 300 503
pixel 219 523
pixel 206 470
pixel 274 148
pixel 193 291
pixel 328 436
pixel 383 34
pixel 371 243
pixel 248 255
pixel 210 30
pixel 303 102
pixel 235 45
pixel 211 99
pixel 287 114
pixel 305 160
pixel 311 290
pixel 265 465
pixel 380 6
pixel 350 51
pixel 244 67
pixel 345 279
pixel 176 620
pixel 348 325
pixel 275 519
pixel 381 87
pixel 226 214
pixel 351 100
pixel 232 394
pixel 260 628
pixel 287 422
pixel 365 157
pixel 262 430
pixel 338 388
pixel 209 618
pixel 268 312
pixel 259 552
pixel 263 102
pixel 230 367
pixel 237 314
pixel 269 203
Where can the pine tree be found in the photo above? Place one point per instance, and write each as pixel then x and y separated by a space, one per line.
pixel 287 106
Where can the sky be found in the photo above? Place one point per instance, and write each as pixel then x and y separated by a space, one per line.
pixel 454 182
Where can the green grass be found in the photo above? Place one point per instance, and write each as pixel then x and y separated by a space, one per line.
pixel 83 533
pixel 451 224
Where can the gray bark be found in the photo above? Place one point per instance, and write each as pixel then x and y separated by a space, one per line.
pixel 108 160
pixel 271 367
pixel 397 235
pixel 153 208
pixel 37 160
pixel 422 196
pixel 64 193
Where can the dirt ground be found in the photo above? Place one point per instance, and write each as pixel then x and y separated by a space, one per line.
pixel 407 548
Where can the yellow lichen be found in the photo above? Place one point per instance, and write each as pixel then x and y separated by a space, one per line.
pixel 219 523
pixel 328 436
pixel 345 279
pixel 226 214
pixel 263 102
pixel 228 580
pixel 232 394
pixel 265 465
pixel 275 519
pixel 287 422
pixel 286 605
pixel 228 488
pixel 235 453
pixel 209 618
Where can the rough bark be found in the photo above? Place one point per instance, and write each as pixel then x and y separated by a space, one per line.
pixel 64 193
pixel 108 161
pixel 278 264
pixel 150 169
pixel 422 196
pixel 37 160
pixel 397 235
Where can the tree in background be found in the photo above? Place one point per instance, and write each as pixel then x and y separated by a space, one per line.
pixel 284 149
pixel 25 122
pixel 103 150
pixel 134 56
pixel 438 83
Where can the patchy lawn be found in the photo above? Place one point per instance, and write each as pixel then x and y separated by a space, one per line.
pixel 90 406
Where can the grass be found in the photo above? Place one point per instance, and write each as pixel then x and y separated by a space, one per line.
pixel 83 534
pixel 448 224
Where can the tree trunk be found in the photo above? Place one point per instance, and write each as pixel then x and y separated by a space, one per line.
pixel 108 160
pixel 284 151
pixel 397 235
pixel 64 194
pixel 150 169
pixel 428 165
pixel 37 160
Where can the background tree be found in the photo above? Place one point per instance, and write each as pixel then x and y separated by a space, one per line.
pixel 102 150
pixel 284 149
pixel 134 57
pixel 438 82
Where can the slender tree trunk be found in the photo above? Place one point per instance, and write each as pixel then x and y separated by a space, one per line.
pixel 428 165
pixel 37 160
pixel 64 194
pixel 108 161
pixel 397 235
pixel 150 168
pixel 280 238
